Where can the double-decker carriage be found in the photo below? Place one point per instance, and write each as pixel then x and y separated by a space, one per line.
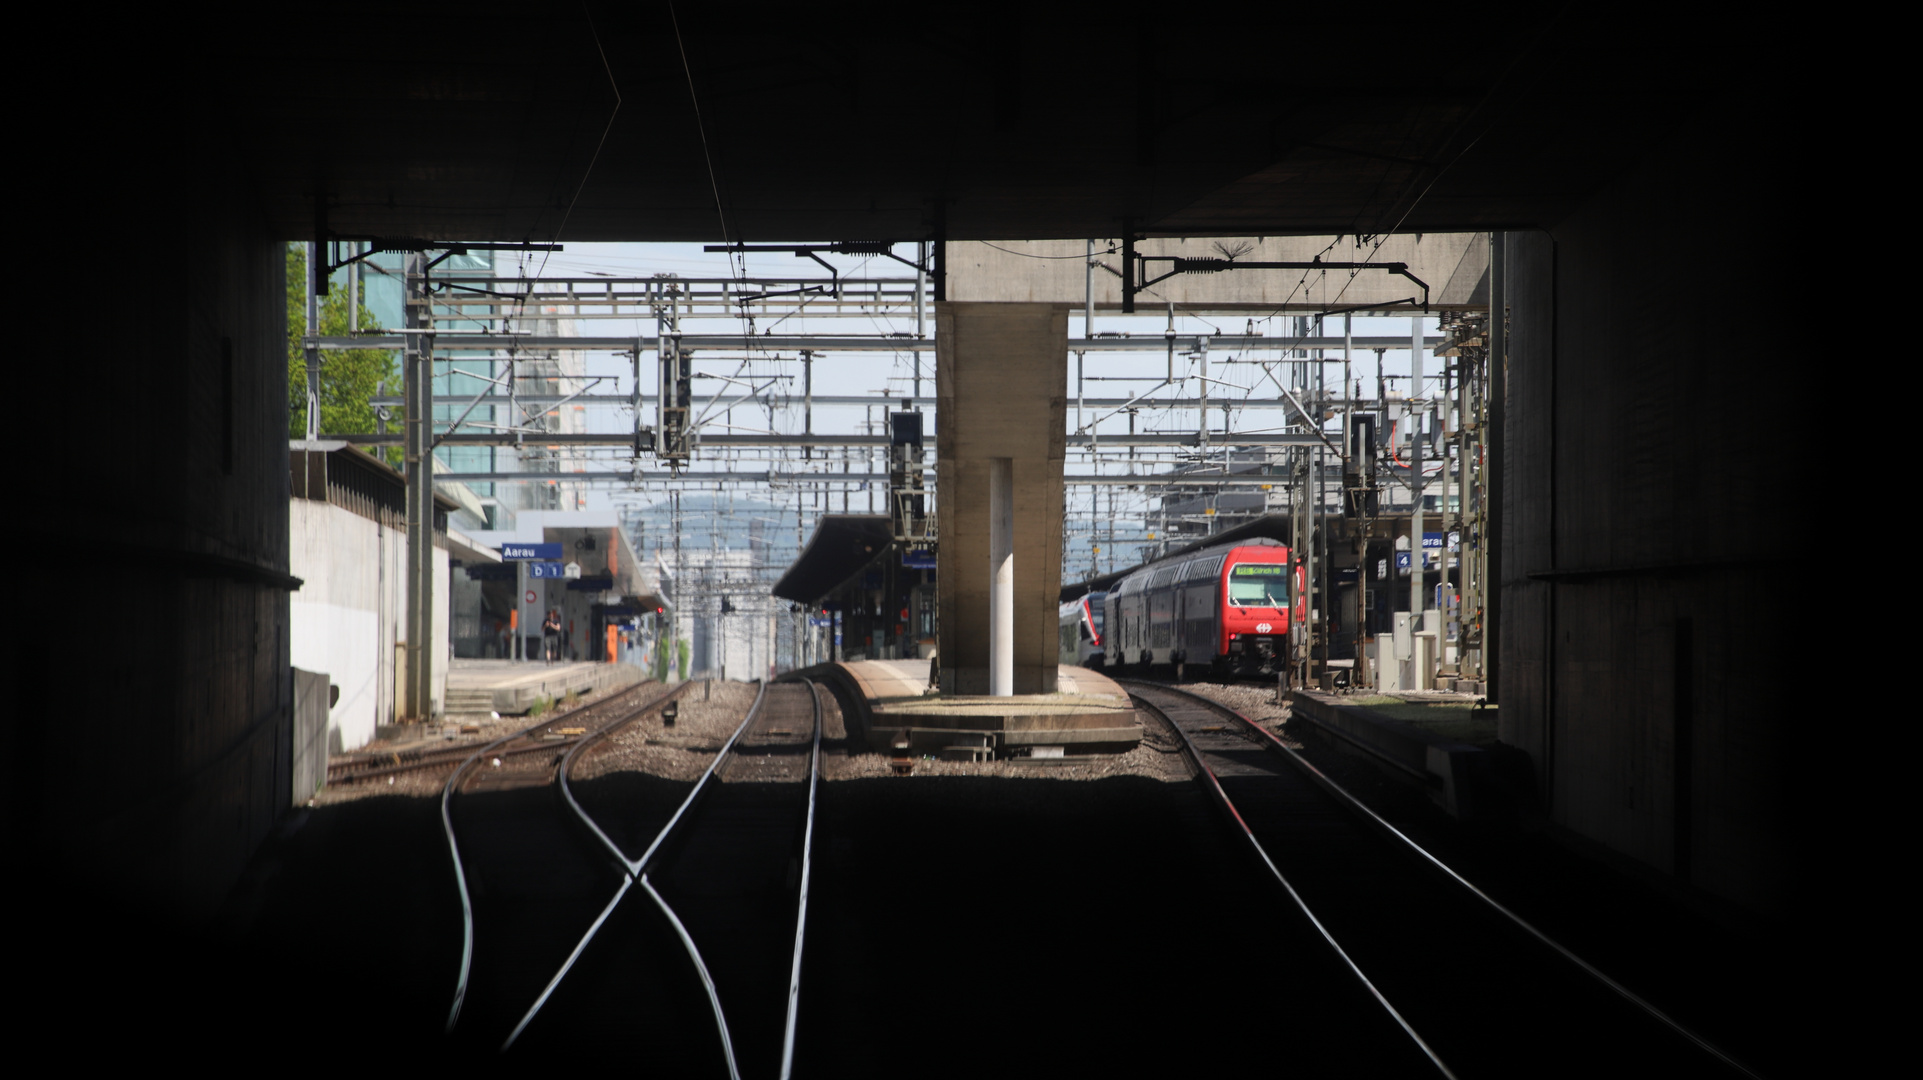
pixel 1225 608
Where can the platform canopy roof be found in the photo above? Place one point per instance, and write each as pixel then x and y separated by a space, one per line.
pixel 843 544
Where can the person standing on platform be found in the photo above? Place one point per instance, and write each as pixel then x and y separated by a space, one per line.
pixel 551 636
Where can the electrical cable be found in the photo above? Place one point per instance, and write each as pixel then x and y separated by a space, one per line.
pixel 1027 255
pixel 714 184
pixel 596 157
pixel 554 238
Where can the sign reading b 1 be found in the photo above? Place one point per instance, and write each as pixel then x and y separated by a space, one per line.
pixel 545 570
pixel 531 551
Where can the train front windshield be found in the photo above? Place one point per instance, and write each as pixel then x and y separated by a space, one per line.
pixel 1259 585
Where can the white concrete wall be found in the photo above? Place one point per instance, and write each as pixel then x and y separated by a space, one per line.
pixel 352 610
pixel 343 643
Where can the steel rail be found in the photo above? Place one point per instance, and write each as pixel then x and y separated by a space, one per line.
pixel 1228 805
pixel 467 906
pixel 801 913
pixel 634 871
pixel 454 848
pixel 345 766
pixel 1422 855
pixel 707 980
pixel 440 759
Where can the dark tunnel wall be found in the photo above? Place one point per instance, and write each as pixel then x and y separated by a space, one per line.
pixel 154 756
pixel 1645 630
pixel 157 615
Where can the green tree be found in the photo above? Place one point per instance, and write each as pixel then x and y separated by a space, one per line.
pixel 682 647
pixel 349 377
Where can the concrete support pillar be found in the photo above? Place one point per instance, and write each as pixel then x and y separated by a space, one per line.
pixel 1001 391
pixel 1001 577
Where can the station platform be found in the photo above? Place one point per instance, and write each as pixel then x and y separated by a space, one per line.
pixel 1430 752
pixel 480 687
pixel 1089 713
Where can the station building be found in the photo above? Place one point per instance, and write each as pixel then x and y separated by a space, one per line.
pixel 608 603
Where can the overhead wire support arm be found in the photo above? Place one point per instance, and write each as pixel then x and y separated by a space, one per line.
pixel 450 250
pixel 808 290
pixel 450 286
pixel 1134 279
pixel 381 245
pixel 884 248
pixel 465 413
pixel 520 423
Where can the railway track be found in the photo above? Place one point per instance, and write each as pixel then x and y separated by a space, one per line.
pixel 520 867
pixel 545 734
pixel 674 905
pixel 1473 988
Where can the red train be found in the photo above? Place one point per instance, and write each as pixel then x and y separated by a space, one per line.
pixel 1226 608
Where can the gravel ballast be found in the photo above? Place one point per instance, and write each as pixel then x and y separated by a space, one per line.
pixel 681 752
pixel 707 717
pixel 427 782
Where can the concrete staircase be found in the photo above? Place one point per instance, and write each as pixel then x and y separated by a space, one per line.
pixel 470 699
pixel 512 690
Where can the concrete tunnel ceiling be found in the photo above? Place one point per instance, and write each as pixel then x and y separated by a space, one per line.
pixel 875 122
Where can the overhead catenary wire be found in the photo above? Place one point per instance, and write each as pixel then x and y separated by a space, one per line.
pixel 1110 250
pixel 593 159
pixel 739 264
pixel 707 156
pixel 880 317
